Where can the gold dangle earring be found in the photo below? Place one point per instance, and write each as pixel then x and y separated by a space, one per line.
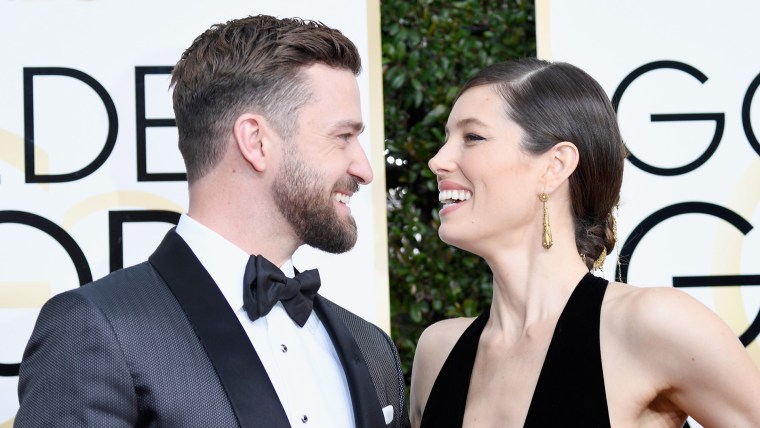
pixel 600 260
pixel 547 238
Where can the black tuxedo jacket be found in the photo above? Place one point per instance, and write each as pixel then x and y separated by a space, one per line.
pixel 157 344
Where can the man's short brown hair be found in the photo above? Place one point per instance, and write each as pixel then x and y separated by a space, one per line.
pixel 248 65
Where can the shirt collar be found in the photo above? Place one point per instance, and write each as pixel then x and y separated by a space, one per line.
pixel 222 259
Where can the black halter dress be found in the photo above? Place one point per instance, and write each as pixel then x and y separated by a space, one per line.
pixel 570 389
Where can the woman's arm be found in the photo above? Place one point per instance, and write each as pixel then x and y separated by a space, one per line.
pixel 711 375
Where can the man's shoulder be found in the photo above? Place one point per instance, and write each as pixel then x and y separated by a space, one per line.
pixel 116 286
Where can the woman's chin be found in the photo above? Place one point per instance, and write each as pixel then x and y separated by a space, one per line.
pixel 454 239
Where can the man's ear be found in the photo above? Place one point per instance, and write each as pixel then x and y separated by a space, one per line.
pixel 562 159
pixel 249 132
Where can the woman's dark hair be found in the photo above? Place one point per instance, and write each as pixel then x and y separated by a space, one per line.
pixel 554 102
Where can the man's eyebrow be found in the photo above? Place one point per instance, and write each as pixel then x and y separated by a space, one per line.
pixel 355 126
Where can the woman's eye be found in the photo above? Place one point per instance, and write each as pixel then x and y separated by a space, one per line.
pixel 471 138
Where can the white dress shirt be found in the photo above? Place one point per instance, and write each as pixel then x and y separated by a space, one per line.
pixel 301 362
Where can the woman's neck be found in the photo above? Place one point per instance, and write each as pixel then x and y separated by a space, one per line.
pixel 533 286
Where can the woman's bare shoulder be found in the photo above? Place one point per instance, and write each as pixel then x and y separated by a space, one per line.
pixel 436 343
pixel 433 347
pixel 686 347
pixel 654 309
pixel 662 330
pixel 642 315
pixel 444 334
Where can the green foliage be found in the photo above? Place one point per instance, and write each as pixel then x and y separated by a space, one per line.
pixel 430 48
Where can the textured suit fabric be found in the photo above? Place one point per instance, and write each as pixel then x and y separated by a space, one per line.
pixel 117 353
pixel 382 360
pixel 121 352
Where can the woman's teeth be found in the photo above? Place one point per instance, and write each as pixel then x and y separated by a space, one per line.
pixel 453 196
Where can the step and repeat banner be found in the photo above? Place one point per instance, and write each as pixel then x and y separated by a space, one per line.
pixel 684 79
pixel 90 175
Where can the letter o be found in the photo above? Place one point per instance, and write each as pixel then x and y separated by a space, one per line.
pixel 64 239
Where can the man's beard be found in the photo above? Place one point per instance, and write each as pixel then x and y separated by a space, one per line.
pixel 301 199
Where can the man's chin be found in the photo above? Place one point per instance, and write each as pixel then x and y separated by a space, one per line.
pixel 337 242
pixel 334 248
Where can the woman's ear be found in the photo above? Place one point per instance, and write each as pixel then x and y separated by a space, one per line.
pixel 248 132
pixel 562 159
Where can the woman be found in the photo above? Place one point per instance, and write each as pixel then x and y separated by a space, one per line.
pixel 528 176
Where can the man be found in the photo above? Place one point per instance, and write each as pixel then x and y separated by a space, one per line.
pixel 268 116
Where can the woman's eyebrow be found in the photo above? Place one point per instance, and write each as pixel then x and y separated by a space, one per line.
pixel 466 121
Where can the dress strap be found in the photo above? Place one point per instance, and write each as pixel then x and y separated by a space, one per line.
pixel 570 390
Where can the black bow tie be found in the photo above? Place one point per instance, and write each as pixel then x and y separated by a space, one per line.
pixel 264 285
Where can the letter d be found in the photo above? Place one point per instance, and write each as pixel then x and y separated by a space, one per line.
pixel 113 124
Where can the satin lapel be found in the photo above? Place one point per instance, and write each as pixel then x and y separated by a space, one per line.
pixel 367 410
pixel 239 368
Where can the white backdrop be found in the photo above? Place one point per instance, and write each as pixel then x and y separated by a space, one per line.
pixel 104 148
pixel 684 75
